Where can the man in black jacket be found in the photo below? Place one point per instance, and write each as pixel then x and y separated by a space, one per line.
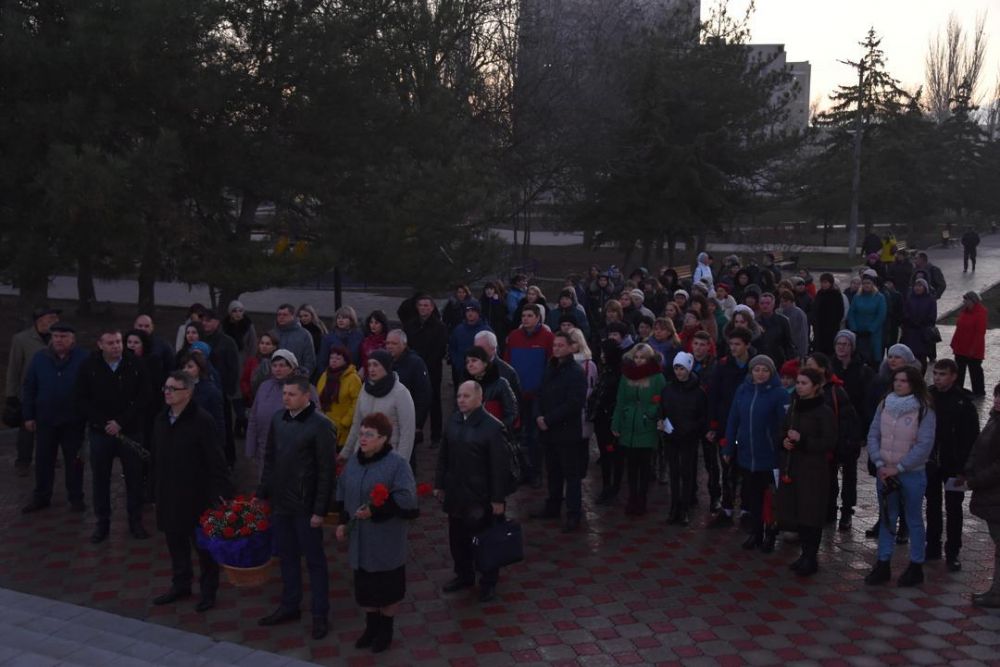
pixel 488 341
pixel 970 241
pixel 299 479
pixel 112 394
pixel 704 369
pixel 427 336
pixel 957 429
pixel 473 468
pixel 412 372
pixel 776 339
pixel 225 358
pixel 559 415
pixel 191 476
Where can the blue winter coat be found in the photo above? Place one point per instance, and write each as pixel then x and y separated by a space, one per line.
pixel 350 339
pixel 867 315
pixel 49 389
pixel 755 422
pixel 461 339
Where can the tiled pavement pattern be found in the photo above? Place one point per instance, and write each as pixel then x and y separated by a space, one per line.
pixel 621 591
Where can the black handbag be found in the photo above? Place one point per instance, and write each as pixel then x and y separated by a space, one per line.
pixel 499 545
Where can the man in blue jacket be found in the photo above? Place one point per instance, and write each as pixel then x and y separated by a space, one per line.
pixel 462 338
pixel 49 405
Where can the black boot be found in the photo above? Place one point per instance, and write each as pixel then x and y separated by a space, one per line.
pixel 809 566
pixel 874 530
pixel 770 537
pixel 384 636
pixel 797 563
pixel 881 573
pixel 913 575
pixel 371 627
pixel 753 541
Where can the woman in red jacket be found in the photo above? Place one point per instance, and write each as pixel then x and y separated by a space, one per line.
pixel 969 342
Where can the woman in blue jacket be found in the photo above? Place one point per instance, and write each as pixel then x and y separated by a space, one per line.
pixel 753 433
pixel 866 318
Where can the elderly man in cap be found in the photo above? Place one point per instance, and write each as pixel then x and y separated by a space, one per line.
pixel 23 347
pixel 49 407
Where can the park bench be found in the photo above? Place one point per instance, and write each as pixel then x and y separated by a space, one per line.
pixel 683 272
pixel 782 263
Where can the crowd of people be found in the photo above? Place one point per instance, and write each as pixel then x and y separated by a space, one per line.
pixel 772 383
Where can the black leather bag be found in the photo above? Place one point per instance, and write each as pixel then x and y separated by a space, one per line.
pixel 499 545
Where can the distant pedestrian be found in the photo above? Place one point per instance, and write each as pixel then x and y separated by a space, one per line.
pixel 970 241
pixel 969 342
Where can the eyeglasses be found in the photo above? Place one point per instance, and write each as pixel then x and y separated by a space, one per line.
pixel 369 434
pixel 168 389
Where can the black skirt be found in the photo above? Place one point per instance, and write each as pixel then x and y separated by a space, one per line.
pixel 379 589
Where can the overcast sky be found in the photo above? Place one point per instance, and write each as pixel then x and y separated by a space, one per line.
pixel 823 31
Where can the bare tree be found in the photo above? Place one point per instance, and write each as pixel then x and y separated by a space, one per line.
pixel 954 56
pixel 991 110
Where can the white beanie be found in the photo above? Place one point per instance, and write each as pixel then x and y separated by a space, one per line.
pixel 287 355
pixel 684 359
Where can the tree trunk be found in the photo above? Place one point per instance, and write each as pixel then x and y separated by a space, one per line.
pixel 660 241
pixel 149 269
pixel 33 290
pixel 86 294
pixel 671 248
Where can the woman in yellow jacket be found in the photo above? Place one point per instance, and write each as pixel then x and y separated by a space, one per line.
pixel 338 388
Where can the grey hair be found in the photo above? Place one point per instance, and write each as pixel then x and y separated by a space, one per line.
pixel 183 378
pixel 398 333
pixel 488 336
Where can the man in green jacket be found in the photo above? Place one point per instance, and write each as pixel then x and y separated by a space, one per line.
pixel 23 347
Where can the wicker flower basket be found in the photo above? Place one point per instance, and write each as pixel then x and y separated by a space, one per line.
pixel 247 577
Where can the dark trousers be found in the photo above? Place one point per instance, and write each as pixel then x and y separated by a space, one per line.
pixel 975 367
pixel 682 457
pixel 731 473
pixel 25 447
pixel 612 457
pixel 227 414
pixel 809 537
pixel 849 490
pixel 103 451
pixel 952 501
pixel 461 530
pixel 755 483
pixel 565 467
pixel 179 545
pixel 529 438
pixel 967 256
pixel 50 439
pixel 295 538
pixel 639 465
pixel 710 453
pixel 435 375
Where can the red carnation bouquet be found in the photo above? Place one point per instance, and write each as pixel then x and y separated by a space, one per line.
pixel 238 533
pixel 380 495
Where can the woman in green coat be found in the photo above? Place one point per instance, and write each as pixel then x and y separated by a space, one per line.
pixel 634 423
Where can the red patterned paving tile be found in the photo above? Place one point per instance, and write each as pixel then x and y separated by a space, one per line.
pixel 486 647
pixel 628 658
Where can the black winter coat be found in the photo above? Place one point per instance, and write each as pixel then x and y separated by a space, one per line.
pixel 189 468
pixel 726 379
pixel 803 501
pixel 508 373
pixel 957 428
pixel 983 472
pixel 561 400
pixel 851 434
pixel 412 372
pixel 685 404
pixel 857 378
pixel 298 475
pixel 473 464
pixel 498 398
pixel 225 357
pixel 429 339
pixel 775 339
pixel 122 395
pixel 827 314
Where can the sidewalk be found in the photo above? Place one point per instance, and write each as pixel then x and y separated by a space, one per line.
pixel 986 275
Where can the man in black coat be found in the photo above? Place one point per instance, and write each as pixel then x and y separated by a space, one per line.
pixel 473 469
pixel 427 336
pixel 225 358
pixel 776 338
pixel 161 349
pixel 298 478
pixel 488 341
pixel 190 476
pixel 112 394
pixel 957 429
pixel 970 241
pixel 412 372
pixel 559 415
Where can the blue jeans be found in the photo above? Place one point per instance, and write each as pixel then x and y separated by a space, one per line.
pixel 910 495
pixel 294 538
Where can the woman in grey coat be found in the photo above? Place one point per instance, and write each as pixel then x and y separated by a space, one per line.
pixel 377 527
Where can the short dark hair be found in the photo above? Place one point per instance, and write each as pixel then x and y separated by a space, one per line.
pixel 532 307
pixel 814 375
pixel 563 334
pixel 946 365
pixel 785 295
pixel 182 377
pixel 107 329
pixel 742 333
pixel 287 306
pixel 702 335
pixel 379 422
pixel 199 360
pixel 300 381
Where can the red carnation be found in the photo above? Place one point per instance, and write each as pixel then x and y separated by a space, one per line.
pixel 656 398
pixel 245 531
pixel 207 530
pixel 379 495
pixel 228 532
pixel 424 489
pixel 263 525
pixel 786 479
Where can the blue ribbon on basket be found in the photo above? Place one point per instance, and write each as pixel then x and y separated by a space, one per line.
pixel 252 551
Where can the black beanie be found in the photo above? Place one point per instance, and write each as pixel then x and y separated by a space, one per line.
pixel 476 352
pixel 383 358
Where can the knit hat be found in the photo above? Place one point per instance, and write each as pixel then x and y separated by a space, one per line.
pixel 201 346
pixel 903 351
pixel 849 335
pixel 287 355
pixel 637 294
pixel 567 317
pixel 763 360
pixel 871 274
pixel 921 281
pixel 684 292
pixel 746 310
pixel 970 295
pixel 476 352
pixel 684 359
pixel 235 305
pixel 472 304
pixel 63 327
pixel 790 368
pixel 752 290
pixel 383 358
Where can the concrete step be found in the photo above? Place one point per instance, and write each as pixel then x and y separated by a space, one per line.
pixel 36 631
